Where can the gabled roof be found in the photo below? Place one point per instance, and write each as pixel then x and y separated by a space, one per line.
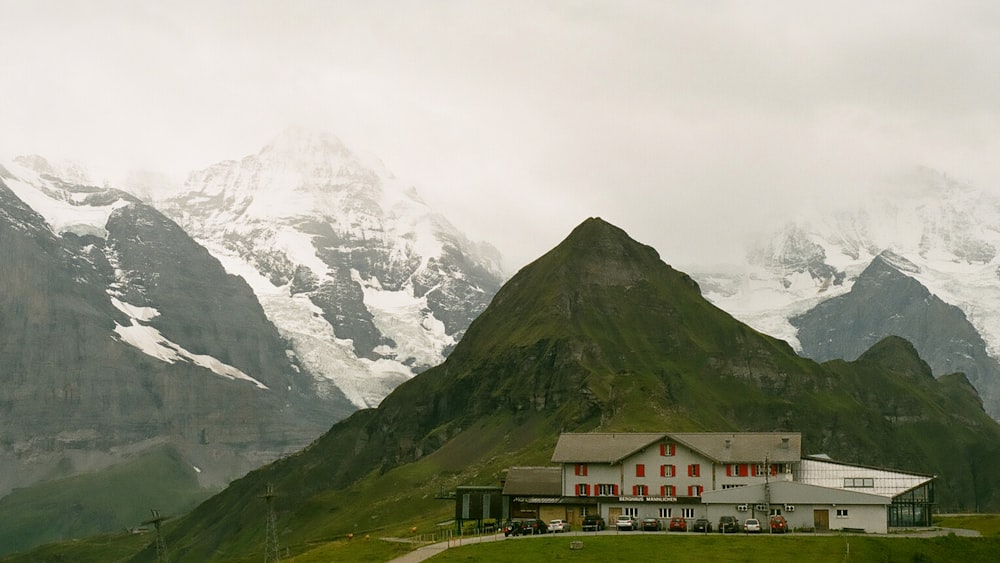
pixel 722 447
pixel 533 481
pixel 744 447
pixel 791 492
pixel 601 447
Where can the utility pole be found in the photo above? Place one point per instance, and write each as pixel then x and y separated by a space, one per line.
pixel 271 551
pixel 161 544
pixel 767 492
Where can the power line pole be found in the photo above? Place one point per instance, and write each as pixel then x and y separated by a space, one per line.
pixel 271 550
pixel 161 543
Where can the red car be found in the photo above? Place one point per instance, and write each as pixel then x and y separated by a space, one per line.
pixel 778 525
pixel 677 524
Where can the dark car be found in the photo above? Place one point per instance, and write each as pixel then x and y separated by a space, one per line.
pixel 729 525
pixel 512 528
pixel 593 522
pixel 677 524
pixel 778 525
pixel 702 525
pixel 532 527
pixel 650 525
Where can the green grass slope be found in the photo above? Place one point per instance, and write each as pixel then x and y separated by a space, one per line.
pixel 598 334
pixel 96 503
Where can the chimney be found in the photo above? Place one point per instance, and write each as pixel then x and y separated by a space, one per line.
pixel 784 442
pixel 728 443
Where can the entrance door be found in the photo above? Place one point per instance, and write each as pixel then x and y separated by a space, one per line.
pixel 613 513
pixel 821 520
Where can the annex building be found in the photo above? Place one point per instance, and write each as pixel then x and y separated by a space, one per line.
pixel 714 474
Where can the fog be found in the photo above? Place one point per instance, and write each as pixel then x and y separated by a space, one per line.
pixel 688 124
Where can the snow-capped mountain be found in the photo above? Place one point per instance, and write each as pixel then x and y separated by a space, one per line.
pixel 120 331
pixel 368 284
pixel 942 233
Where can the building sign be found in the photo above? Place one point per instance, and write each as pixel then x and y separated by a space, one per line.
pixel 537 500
pixel 647 499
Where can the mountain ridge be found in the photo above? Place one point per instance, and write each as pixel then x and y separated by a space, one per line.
pixel 616 340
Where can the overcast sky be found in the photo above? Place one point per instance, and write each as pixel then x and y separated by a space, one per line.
pixel 688 124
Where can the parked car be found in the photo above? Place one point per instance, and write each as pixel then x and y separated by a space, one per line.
pixel 778 524
pixel 533 527
pixel 702 525
pixel 751 526
pixel 626 522
pixel 556 526
pixel 513 529
pixel 650 525
pixel 728 525
pixel 593 522
pixel 677 524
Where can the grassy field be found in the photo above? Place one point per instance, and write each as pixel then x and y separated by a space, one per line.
pixel 696 548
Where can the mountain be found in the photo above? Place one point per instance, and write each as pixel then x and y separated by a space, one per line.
pixel 884 301
pixel 933 229
pixel 597 334
pixel 121 333
pixel 368 284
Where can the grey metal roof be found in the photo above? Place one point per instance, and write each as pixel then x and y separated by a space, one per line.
pixel 533 481
pixel 744 447
pixel 791 492
pixel 601 447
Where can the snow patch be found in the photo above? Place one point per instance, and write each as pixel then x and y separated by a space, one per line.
pixel 152 343
pixel 64 211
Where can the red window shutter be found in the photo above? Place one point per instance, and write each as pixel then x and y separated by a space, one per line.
pixel 774 470
pixel 673 470
pixel 615 487
pixel 640 470
pixel 753 470
pixel 673 449
pixel 663 490
pixel 663 449
pixel 635 490
pixel 729 470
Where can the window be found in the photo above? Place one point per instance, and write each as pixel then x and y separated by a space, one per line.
pixel 665 512
pixel 640 470
pixel 731 486
pixel 583 511
pixel 582 490
pixel 775 512
pixel 668 449
pixel 867 482
pixel 631 511
pixel 668 470
pixel 668 491
pixel 580 469
pixel 695 490
pixel 607 490
pixel 687 512
pixel 841 513
pixel 694 470
pixel 640 490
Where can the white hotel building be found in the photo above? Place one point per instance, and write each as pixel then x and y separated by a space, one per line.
pixel 746 475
